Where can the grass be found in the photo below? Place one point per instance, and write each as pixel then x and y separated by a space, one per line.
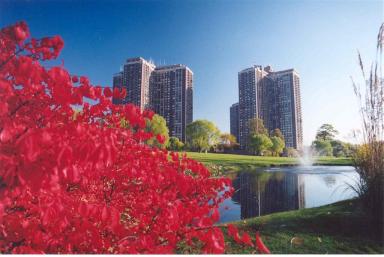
pixel 235 162
pixel 336 228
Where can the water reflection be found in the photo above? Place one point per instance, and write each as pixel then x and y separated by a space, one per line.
pixel 329 180
pixel 286 188
pixel 264 193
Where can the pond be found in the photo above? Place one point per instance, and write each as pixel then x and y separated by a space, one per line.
pixel 270 190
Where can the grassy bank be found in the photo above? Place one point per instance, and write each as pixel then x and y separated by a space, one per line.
pixel 235 162
pixel 336 228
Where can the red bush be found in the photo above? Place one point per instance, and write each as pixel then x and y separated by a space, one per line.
pixel 79 182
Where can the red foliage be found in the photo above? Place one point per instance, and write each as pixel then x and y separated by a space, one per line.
pixel 79 182
pixel 246 239
pixel 234 233
pixel 160 138
pixel 260 245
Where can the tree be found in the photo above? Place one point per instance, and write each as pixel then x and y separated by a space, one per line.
pixel 338 149
pixel 277 133
pixel 227 141
pixel 323 147
pixel 259 143
pixel 278 145
pixel 202 135
pixel 175 144
pixel 258 140
pixel 342 149
pixel 290 152
pixel 349 149
pixel 158 126
pixel 326 132
pixel 256 126
pixel 87 185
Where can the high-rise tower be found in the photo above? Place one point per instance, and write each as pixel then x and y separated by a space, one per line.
pixel 250 83
pixel 171 96
pixel 273 97
pixel 167 90
pixel 283 106
pixel 135 78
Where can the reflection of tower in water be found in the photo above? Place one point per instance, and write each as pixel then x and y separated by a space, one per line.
pixel 264 193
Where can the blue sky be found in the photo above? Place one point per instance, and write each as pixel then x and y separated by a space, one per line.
pixel 216 39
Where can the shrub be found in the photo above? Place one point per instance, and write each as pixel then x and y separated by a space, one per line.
pixel 83 183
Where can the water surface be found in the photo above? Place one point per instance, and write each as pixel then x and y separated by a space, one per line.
pixel 270 190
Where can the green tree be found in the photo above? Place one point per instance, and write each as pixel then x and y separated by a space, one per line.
pixel 202 135
pixel 277 133
pixel 278 145
pixel 290 152
pixel 158 125
pixel 323 147
pixel 259 143
pixel 256 126
pixel 326 132
pixel 227 141
pixel 175 144
pixel 349 149
pixel 339 148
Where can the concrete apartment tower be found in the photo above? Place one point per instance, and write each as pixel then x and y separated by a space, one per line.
pixel 250 83
pixel 135 78
pixel 167 90
pixel 171 96
pixel 234 119
pixel 283 106
pixel 273 97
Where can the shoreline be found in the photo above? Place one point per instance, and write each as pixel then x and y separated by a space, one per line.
pixel 228 163
pixel 336 228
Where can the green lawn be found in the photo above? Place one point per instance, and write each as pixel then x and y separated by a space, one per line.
pixel 235 162
pixel 336 228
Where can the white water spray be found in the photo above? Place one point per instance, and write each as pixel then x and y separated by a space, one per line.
pixel 307 157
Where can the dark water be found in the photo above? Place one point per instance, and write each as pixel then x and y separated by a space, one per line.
pixel 272 190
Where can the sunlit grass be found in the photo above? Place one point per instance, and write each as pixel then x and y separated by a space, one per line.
pixel 336 228
pixel 235 162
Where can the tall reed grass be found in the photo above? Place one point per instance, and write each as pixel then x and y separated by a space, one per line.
pixel 369 158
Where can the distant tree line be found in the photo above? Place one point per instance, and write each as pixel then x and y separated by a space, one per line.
pixel 325 143
pixel 204 136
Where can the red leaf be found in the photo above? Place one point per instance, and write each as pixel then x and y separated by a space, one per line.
pixel 75 79
pixel 160 138
pixel 5 135
pixel 148 114
pixel 107 92
pixel 215 215
pixel 3 108
pixel 104 214
pixel 20 32
pixel 260 245
pixel 246 239
pixel 232 231
pixel 123 93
